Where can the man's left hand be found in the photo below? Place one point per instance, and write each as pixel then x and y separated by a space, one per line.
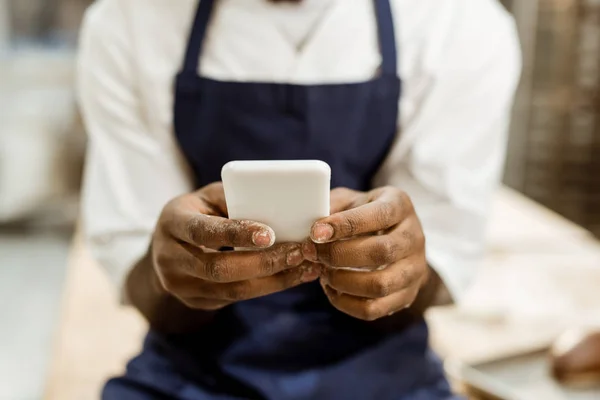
pixel 373 249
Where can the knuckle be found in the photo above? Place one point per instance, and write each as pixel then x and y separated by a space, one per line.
pixel 217 271
pixel 169 210
pixel 270 264
pixel 409 239
pixel 404 277
pixel 370 311
pixel 385 251
pixel 406 201
pixel 193 230
pixel 388 214
pixel 398 193
pixel 348 224
pixel 380 287
pixel 402 199
pixel 215 186
pixel 411 235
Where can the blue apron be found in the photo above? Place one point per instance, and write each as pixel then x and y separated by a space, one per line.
pixel 290 345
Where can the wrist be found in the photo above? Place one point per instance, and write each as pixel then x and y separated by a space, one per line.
pixel 162 310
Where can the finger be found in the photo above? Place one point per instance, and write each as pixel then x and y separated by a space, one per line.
pixel 377 284
pixel 214 194
pixel 209 200
pixel 344 199
pixel 216 232
pixel 200 303
pixel 235 266
pixel 251 289
pixel 371 309
pixel 367 251
pixel 386 209
pixel 191 287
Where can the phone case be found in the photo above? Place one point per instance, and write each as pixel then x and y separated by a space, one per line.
pixel 288 196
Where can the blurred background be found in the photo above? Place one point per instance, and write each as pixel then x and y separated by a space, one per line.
pixel 62 334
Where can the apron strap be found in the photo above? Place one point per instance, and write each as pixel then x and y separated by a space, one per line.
pixel 385 30
pixel 196 40
pixel 387 37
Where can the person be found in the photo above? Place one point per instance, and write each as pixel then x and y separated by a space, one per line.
pixel 408 102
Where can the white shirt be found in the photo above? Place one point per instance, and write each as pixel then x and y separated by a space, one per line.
pixel 459 61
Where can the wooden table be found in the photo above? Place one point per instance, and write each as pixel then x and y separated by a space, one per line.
pixel 526 241
pixel 540 276
pixel 96 336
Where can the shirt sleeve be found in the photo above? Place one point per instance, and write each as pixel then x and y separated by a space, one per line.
pixel 450 152
pixel 131 172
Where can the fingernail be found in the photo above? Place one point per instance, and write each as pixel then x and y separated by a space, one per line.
pixel 294 258
pixel 321 233
pixel 309 250
pixel 310 274
pixel 263 238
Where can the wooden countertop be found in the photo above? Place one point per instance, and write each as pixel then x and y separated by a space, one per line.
pixel 526 243
pixel 96 336
pixel 539 277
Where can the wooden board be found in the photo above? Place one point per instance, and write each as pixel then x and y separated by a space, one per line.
pixel 519 225
pixel 97 336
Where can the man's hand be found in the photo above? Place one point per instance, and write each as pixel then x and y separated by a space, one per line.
pixel 184 276
pixel 373 248
pixel 189 233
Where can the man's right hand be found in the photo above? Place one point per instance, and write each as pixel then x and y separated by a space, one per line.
pixel 189 266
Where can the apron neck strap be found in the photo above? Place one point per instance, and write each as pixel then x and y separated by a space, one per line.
pixel 385 30
pixel 387 37
pixel 196 40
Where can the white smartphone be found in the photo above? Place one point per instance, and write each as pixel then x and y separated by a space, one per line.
pixel 288 196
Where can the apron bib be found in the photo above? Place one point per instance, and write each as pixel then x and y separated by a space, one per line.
pixel 294 344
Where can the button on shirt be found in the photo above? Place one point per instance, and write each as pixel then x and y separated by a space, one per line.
pixel 459 61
